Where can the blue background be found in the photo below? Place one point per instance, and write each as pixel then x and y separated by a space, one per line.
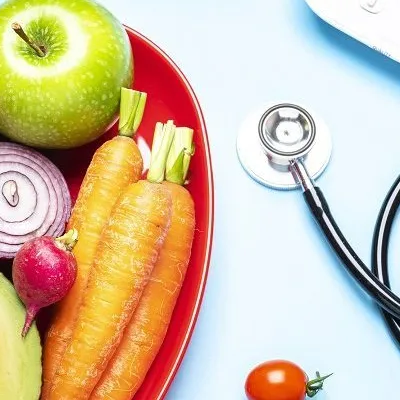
pixel 275 289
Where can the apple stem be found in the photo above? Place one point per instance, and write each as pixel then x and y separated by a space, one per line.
pixel 21 33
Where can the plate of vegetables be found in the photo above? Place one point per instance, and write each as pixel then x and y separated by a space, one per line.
pixel 107 241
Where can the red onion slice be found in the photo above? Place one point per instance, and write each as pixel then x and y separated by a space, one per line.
pixel 62 192
pixel 34 197
pixel 31 191
pixel 51 217
pixel 23 200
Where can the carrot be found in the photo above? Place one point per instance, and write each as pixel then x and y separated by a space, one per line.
pixel 146 331
pixel 127 252
pixel 115 165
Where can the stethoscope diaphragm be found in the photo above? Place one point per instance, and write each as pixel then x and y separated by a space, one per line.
pixel 274 135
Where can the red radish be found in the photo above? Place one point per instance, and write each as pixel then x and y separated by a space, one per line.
pixel 44 270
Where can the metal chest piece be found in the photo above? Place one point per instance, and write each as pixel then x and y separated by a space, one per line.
pixel 272 137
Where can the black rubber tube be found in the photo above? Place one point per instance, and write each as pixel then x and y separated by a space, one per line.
pixel 380 249
pixel 381 293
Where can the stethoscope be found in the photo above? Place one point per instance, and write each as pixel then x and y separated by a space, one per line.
pixel 284 146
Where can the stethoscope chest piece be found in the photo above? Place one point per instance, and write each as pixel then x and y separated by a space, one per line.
pixel 274 136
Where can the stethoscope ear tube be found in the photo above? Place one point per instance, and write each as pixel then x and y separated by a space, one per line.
pixel 380 246
pixel 381 293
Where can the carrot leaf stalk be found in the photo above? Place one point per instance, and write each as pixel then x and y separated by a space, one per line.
pixel 131 111
pixel 162 140
pixel 178 160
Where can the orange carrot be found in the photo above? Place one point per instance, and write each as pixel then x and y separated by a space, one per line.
pixel 115 165
pixel 126 255
pixel 127 252
pixel 148 326
pixel 146 331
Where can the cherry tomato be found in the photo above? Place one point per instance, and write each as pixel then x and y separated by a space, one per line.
pixel 281 380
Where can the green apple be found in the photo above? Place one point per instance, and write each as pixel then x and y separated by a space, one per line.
pixel 60 86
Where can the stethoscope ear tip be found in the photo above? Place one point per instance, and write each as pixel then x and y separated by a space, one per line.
pixel 275 135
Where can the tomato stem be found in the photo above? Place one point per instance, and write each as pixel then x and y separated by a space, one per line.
pixel 315 385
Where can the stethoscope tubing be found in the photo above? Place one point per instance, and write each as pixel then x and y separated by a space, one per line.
pixel 381 293
pixel 319 208
pixel 380 249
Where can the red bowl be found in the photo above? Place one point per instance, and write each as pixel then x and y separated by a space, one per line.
pixel 169 97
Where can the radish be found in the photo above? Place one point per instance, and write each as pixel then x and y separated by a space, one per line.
pixel 44 270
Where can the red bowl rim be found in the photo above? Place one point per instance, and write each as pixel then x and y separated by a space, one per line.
pixel 210 223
